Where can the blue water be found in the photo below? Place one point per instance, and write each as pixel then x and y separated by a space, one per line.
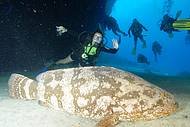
pixel 175 56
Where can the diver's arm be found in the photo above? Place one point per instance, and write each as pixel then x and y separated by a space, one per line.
pixel 111 50
pixel 73 33
pixel 129 31
pixel 66 60
pixel 144 28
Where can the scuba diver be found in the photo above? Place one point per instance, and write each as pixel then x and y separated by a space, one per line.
pixel 136 29
pixel 157 49
pixel 167 23
pixel 87 54
pixel 170 24
pixel 111 24
pixel 142 59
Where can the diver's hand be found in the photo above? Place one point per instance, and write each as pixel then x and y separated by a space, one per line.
pixel 115 44
pixel 60 30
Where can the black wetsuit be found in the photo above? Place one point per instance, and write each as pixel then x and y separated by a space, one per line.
pixel 136 29
pixel 142 59
pixel 85 41
pixel 167 25
pixel 156 48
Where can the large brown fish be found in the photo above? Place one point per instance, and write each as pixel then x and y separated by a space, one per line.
pixel 104 93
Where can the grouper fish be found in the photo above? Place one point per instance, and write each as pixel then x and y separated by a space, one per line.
pixel 107 94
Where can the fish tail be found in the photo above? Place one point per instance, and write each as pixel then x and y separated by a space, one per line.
pixel 21 87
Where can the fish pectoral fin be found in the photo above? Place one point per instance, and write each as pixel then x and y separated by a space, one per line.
pixel 109 121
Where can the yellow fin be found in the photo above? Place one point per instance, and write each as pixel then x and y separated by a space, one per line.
pixel 182 24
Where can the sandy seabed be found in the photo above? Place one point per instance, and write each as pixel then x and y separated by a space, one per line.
pixel 20 113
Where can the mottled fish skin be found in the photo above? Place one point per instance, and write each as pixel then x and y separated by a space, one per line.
pixel 96 92
pixel 21 87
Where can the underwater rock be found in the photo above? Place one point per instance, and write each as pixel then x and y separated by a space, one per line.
pixel 105 93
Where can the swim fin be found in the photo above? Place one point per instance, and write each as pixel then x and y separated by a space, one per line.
pixel 45 68
pixel 178 14
pixel 182 24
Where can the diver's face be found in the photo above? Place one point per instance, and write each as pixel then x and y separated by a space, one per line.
pixel 97 38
